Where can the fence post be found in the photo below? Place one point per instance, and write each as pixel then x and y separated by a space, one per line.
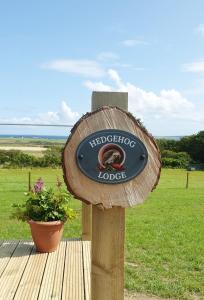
pixel 187 179
pixel 108 230
pixel 29 181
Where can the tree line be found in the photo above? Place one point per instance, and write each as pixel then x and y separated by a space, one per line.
pixel 174 154
pixel 181 153
pixel 19 159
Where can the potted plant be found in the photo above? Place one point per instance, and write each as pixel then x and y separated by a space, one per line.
pixel 46 211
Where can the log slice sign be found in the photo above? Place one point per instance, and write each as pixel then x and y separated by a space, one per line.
pixel 110 159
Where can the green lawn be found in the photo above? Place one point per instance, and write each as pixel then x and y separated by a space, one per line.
pixel 164 236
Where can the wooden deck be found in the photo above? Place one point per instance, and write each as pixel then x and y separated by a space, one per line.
pixel 28 275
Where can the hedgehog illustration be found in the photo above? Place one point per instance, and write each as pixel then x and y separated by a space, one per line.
pixel 111 156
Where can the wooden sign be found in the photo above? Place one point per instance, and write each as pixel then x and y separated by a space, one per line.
pixel 110 159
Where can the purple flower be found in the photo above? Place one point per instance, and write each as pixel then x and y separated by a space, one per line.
pixel 38 186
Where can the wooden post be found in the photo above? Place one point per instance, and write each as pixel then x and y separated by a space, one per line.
pixel 86 221
pixel 108 230
pixel 107 272
pixel 29 181
pixel 187 179
pixel 100 99
pixel 99 140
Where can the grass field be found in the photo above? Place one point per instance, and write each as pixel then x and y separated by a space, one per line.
pixel 31 142
pixel 32 146
pixel 164 236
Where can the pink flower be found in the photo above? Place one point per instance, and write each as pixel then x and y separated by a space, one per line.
pixel 38 186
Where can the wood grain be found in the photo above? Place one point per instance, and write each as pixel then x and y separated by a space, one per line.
pixel 86 247
pixel 109 195
pixel 11 276
pixel 29 275
pixel 107 269
pixel 30 282
pixel 86 222
pixel 73 272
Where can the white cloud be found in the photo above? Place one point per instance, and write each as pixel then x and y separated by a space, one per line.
pixel 146 104
pixel 47 118
pixel 165 103
pixel 65 115
pixel 134 42
pixel 115 77
pixel 200 29
pixel 107 56
pixel 97 86
pixel 84 67
pixel 194 67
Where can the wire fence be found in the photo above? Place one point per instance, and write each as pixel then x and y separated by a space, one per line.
pixel 35 125
pixel 15 182
pixel 23 179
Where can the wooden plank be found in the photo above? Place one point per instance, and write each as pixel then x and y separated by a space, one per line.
pixel 51 287
pixel 107 271
pixel 73 285
pixel 13 272
pixel 48 278
pixel 86 222
pixel 32 277
pixel 6 250
pixel 86 245
pixel 59 274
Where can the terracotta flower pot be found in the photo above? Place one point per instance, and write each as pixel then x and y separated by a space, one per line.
pixel 46 235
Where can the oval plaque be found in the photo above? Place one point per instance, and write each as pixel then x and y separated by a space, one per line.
pixel 111 156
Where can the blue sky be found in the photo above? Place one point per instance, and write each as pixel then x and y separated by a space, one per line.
pixel 53 54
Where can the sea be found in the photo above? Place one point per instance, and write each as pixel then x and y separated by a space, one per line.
pixel 61 137
pixel 30 136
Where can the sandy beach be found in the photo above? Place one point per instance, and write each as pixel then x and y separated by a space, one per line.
pixel 32 149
